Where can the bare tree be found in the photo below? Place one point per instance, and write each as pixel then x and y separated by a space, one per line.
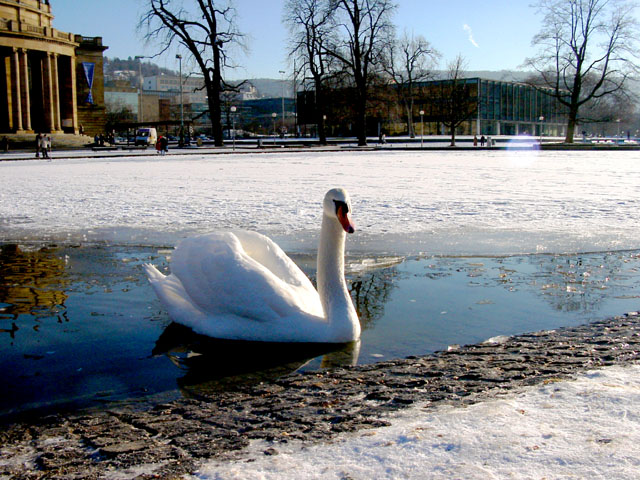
pixel 309 23
pixel 454 99
pixel 362 28
pixel 587 50
pixel 206 29
pixel 408 61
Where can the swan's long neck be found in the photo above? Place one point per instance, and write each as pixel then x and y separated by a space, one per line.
pixel 332 287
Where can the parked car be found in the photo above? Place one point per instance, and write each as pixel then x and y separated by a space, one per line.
pixel 146 136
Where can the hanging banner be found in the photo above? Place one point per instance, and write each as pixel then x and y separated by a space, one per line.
pixel 88 74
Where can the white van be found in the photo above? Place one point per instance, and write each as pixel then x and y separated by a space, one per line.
pixel 146 136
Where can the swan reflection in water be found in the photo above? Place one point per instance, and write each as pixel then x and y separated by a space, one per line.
pixel 214 365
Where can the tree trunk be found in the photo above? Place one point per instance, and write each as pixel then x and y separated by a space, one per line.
pixel 410 128
pixel 361 119
pixel 453 137
pixel 571 124
pixel 214 103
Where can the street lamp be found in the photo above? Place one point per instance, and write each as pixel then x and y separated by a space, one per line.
pixel 282 72
pixel 140 57
pixel 421 128
pixel 179 57
pixel 274 115
pixel 541 119
pixel 233 118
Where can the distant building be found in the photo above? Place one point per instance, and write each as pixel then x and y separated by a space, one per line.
pixel 120 94
pixel 53 80
pixel 194 86
pixel 499 108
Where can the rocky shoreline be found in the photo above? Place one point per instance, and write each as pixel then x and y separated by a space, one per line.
pixel 171 439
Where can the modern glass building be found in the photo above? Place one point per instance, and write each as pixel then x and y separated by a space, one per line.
pixel 489 107
pixel 507 108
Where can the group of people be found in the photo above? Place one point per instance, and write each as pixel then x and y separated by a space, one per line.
pixel 43 145
pixel 482 141
pixel 100 139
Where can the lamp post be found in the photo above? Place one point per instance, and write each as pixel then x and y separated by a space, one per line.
pixel 274 115
pixel 140 57
pixel 233 119
pixel 179 57
pixel 282 72
pixel 324 126
pixel 541 126
pixel 421 128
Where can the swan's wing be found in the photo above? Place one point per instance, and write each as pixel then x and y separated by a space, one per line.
pixel 171 293
pixel 222 279
pixel 269 254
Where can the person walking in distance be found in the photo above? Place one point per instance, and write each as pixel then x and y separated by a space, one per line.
pixel 46 145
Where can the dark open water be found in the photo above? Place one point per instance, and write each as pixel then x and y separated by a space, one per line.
pixel 81 327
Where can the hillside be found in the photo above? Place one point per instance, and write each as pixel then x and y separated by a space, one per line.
pixel 116 68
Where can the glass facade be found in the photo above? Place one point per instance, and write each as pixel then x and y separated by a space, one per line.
pixel 507 108
pixel 493 107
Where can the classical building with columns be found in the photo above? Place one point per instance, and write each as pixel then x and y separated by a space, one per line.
pixel 53 80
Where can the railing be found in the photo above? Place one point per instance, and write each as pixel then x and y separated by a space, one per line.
pixel 32 29
pixel 36 5
pixel 95 41
pixel 64 36
pixel 47 32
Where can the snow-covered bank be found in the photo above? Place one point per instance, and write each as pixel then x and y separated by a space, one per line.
pixel 587 428
pixel 461 202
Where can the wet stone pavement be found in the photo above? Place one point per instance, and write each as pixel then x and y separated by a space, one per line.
pixel 170 439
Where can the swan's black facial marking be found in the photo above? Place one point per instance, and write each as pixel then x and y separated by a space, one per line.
pixel 342 214
pixel 340 204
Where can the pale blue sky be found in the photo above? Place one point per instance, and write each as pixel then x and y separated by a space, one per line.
pixel 490 34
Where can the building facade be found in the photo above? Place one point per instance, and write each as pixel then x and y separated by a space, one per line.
pixel 53 80
pixel 492 108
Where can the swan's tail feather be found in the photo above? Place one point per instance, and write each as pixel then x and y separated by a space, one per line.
pixel 153 274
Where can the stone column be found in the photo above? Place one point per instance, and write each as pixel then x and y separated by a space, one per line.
pixel 55 92
pixel 16 100
pixel 74 99
pixel 26 97
pixel 48 93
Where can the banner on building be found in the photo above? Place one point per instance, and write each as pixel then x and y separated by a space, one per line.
pixel 88 74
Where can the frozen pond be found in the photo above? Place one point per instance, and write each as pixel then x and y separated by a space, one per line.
pixel 451 248
pixel 461 202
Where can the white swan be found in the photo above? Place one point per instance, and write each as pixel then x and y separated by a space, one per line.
pixel 242 286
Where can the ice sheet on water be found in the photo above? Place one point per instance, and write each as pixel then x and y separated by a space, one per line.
pixel 466 202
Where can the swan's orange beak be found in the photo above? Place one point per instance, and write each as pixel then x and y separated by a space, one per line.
pixel 345 219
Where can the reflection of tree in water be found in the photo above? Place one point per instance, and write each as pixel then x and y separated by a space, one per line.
pixel 369 285
pixel 31 283
pixel 577 283
pixel 370 291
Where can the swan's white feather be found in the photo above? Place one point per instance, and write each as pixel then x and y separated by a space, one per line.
pixel 241 285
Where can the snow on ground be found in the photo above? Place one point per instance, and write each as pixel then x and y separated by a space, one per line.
pixel 587 428
pixel 463 202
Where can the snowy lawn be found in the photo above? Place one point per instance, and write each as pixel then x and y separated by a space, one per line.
pixel 587 428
